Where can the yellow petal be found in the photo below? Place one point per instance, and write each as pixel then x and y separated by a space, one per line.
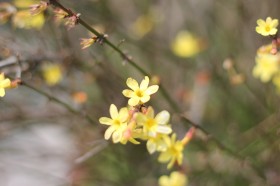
pixel 132 83
pixel 150 112
pixel 261 22
pixel 152 89
pixel 133 101
pixel 127 93
pixel 113 111
pixel 106 121
pixel 151 147
pixel 109 132
pixel 164 129
pixel 117 136
pixel 144 84
pixel 145 98
pixel 274 23
pixel 123 114
pixel 2 92
pixel 163 117
pixel 5 83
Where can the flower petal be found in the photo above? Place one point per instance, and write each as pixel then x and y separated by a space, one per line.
pixel 261 22
pixel 5 83
pixel 140 119
pixel 133 101
pixel 274 23
pixel 145 98
pixel 127 93
pixel 164 157
pixel 144 84
pixel 163 117
pixel 117 136
pixel 132 83
pixel 152 89
pixel 106 121
pixel 151 146
pixel 164 129
pixel 2 92
pixel 109 132
pixel 150 112
pixel 123 114
pixel 113 111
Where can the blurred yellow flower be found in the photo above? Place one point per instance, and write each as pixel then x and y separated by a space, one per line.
pixel 117 123
pixel 173 153
pixel 24 19
pixel 267 65
pixel 175 179
pixel 143 25
pixel 139 94
pixel 4 83
pixel 154 124
pixel 52 74
pixel 267 27
pixel 186 45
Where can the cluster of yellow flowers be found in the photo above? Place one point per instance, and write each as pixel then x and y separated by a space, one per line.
pixel 267 66
pixel 139 122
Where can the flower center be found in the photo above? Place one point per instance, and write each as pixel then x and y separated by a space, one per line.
pixel 139 93
pixel 117 122
pixel 150 123
pixel 267 28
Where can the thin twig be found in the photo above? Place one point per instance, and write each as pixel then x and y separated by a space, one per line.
pixel 221 146
pixel 114 47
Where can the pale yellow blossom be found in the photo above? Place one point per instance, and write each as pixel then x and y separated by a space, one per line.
pixel 267 27
pixel 117 123
pixel 175 179
pixel 139 94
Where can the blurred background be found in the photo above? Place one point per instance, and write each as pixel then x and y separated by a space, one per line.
pixel 201 52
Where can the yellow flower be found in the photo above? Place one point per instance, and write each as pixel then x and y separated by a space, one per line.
pixel 117 123
pixel 173 153
pixel 267 65
pixel 52 74
pixel 154 124
pixel 4 83
pixel 139 94
pixel 176 179
pixel 87 42
pixel 24 19
pixel 186 45
pixel 143 25
pixel 267 27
